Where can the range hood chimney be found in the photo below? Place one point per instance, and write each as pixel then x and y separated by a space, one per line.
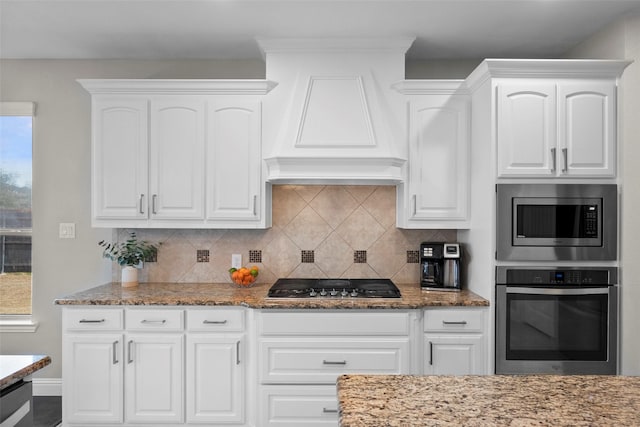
pixel 334 117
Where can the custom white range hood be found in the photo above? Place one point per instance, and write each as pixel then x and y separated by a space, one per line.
pixel 334 117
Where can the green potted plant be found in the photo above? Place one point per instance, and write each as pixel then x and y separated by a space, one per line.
pixel 129 254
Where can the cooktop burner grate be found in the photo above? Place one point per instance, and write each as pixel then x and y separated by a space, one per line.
pixel 334 288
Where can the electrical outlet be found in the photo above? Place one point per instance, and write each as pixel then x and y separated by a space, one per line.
pixel 67 230
pixel 236 260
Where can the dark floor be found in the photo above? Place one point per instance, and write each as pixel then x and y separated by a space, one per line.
pixel 47 411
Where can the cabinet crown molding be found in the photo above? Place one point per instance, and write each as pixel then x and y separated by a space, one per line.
pixel 431 87
pixel 546 68
pixel 178 86
pixel 334 45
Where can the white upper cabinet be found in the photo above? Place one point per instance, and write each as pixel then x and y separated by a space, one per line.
pixel 436 192
pixel 178 153
pixel 234 158
pixel 557 128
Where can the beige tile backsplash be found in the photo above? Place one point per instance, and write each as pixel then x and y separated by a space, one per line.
pixel 328 222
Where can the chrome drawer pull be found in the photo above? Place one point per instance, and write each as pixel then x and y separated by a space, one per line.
pixel 214 322
pixel 129 352
pixel 92 321
pixel 332 362
pixel 163 321
pixel 329 411
pixel 237 352
pixel 115 352
pixel 462 322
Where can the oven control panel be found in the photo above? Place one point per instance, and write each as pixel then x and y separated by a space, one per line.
pixel 556 276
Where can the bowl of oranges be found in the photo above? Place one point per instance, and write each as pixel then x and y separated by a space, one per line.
pixel 244 276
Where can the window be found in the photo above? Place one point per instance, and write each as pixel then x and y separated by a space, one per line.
pixel 15 209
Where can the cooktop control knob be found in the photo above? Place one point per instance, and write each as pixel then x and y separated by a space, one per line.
pixel 354 293
pixel 323 293
pixel 344 293
pixel 312 293
pixel 334 292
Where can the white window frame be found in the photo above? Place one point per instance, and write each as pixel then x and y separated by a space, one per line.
pixel 18 322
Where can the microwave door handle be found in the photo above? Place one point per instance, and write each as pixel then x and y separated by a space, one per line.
pixel 556 291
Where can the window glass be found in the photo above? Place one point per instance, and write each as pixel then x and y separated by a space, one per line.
pixel 15 214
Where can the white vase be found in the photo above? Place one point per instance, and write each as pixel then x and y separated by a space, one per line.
pixel 129 277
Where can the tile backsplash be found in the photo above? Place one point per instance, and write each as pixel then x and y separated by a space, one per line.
pixel 318 231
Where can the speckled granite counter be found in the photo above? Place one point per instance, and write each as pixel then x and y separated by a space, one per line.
pixel 255 297
pixel 16 367
pixel 498 400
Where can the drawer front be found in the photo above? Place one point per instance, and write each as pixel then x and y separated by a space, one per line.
pixel 341 323
pixel 309 361
pixel 454 320
pixel 154 319
pixel 215 320
pixel 298 406
pixel 92 319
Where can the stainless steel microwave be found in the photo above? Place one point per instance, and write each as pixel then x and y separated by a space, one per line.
pixel 549 222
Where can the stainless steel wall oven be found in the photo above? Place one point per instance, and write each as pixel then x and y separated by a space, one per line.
pixel 556 320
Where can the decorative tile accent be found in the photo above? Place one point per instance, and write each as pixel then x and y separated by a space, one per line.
pixel 413 257
pixel 202 255
pixel 359 257
pixel 307 256
pixel 153 257
pixel 255 255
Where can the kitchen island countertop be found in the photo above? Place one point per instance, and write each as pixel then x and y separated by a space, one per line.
pixel 14 368
pixel 216 294
pixel 493 400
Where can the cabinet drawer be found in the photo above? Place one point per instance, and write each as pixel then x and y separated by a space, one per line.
pixel 154 319
pixel 309 361
pixel 325 322
pixel 299 406
pixel 454 320
pixel 92 319
pixel 215 320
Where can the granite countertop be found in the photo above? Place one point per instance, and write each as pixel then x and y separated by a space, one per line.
pixel 494 400
pixel 212 294
pixel 13 368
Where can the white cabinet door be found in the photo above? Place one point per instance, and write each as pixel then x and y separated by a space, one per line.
pixel 526 129
pixel 438 189
pixel 587 128
pixel 93 378
pixel 119 158
pixel 454 354
pixel 176 160
pixel 233 160
pixel 215 379
pixel 154 378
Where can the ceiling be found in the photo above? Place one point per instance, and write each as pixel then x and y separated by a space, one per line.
pixel 207 29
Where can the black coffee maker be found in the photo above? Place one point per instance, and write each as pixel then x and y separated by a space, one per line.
pixel 440 266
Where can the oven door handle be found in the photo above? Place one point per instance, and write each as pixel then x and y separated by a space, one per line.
pixel 556 291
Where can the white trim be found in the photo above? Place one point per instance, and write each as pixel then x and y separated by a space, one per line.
pixel 47 386
pixel 11 108
pixel 17 323
pixel 179 86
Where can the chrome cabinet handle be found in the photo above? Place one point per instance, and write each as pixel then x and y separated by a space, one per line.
pixel 553 159
pixel 214 322
pixel 161 321
pixel 91 321
pixel 415 204
pixel 334 362
pixel 461 322
pixel 115 352
pixel 566 165
pixel 153 203
pixel 237 352
pixel 329 411
pixel 141 205
pixel 430 353
pixel 129 352
pixel 255 199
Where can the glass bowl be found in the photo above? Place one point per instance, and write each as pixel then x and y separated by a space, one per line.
pixel 243 277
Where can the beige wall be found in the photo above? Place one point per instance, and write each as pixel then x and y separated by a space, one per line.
pixel 621 40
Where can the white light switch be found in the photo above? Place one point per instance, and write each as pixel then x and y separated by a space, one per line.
pixel 67 230
pixel 236 260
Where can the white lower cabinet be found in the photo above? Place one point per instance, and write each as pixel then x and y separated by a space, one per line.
pixel 139 367
pixel 454 341
pixel 302 353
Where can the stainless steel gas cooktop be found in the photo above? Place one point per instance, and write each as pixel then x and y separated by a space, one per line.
pixel 334 288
